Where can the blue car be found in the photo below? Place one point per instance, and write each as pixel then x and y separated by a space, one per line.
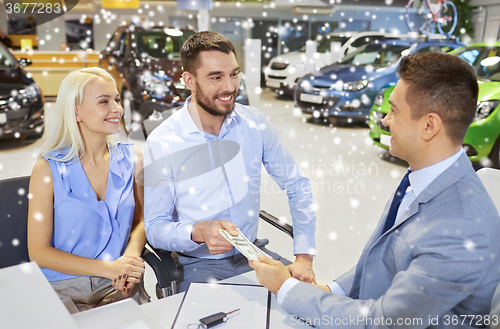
pixel 348 88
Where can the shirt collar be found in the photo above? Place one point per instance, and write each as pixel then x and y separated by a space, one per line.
pixel 189 126
pixel 420 179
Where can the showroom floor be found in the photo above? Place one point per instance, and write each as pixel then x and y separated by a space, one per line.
pixel 350 181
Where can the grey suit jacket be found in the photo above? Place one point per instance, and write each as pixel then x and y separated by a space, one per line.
pixel 439 264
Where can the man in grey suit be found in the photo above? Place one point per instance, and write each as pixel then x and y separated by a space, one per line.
pixel 434 258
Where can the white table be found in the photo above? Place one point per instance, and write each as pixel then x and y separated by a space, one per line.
pixel 161 314
pixel 164 310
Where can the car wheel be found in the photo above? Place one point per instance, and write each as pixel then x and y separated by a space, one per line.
pixel 128 110
pixel 495 154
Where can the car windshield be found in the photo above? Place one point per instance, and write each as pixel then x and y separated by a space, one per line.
pixel 375 55
pixel 161 44
pixel 485 60
pixel 324 44
pixel 325 41
pixel 6 59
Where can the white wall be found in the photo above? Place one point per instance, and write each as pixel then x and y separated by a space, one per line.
pixel 490 26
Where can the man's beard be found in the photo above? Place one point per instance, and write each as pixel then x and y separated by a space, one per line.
pixel 210 106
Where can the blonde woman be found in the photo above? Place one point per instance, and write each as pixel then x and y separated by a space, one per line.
pixel 85 222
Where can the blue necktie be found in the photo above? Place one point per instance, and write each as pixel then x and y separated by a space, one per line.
pixel 393 211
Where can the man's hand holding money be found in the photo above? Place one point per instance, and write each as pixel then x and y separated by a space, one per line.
pixel 207 231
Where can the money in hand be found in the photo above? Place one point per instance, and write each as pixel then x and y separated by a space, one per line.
pixel 240 242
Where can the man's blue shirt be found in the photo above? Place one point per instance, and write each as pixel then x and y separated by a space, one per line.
pixel 191 175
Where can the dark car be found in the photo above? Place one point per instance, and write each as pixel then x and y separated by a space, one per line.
pixel 147 68
pixel 348 88
pixel 21 102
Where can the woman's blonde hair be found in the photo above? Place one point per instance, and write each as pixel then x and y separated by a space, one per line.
pixel 70 96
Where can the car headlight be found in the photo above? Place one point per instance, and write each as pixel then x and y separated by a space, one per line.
pixel 485 108
pixel 379 99
pixel 154 84
pixel 28 94
pixel 306 85
pixel 356 85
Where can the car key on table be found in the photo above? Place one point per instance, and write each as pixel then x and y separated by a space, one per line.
pixel 215 319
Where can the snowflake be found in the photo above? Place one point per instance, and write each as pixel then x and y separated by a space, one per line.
pixel 38 216
pixel 333 235
pixel 469 245
pixel 354 203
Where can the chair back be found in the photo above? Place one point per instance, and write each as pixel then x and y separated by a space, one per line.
pixel 491 180
pixel 14 221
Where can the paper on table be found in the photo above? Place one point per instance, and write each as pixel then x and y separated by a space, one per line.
pixel 203 299
pixel 135 325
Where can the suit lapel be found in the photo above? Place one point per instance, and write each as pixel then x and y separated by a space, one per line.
pixel 449 177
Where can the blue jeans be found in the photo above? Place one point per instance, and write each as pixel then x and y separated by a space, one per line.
pixel 208 270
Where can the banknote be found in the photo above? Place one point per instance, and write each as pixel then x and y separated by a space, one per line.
pixel 240 242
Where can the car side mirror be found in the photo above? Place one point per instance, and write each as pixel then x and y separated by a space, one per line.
pixel 25 62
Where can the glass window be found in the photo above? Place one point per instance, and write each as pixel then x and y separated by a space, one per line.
pixel 375 54
pixel 362 41
pixel 488 66
pixel 161 44
pixel 113 42
pixel 293 36
pixel 122 44
pixel 325 41
pixel 469 55
pixel 6 59
pixel 485 60
pixel 434 48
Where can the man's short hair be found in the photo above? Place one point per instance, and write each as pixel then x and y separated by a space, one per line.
pixel 203 41
pixel 444 84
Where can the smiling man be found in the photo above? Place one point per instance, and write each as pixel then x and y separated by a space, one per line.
pixel 203 169
pixel 433 260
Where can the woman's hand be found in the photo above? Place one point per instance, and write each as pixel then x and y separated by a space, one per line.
pixel 126 266
pixel 121 283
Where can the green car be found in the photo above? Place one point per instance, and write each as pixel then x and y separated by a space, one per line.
pixel 482 141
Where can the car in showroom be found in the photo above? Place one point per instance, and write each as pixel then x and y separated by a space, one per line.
pixel 482 141
pixel 283 71
pixel 347 89
pixel 21 101
pixel 147 67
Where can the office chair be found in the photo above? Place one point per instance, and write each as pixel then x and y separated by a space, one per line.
pixel 14 221
pixel 14 240
pixel 491 180
pixel 167 272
